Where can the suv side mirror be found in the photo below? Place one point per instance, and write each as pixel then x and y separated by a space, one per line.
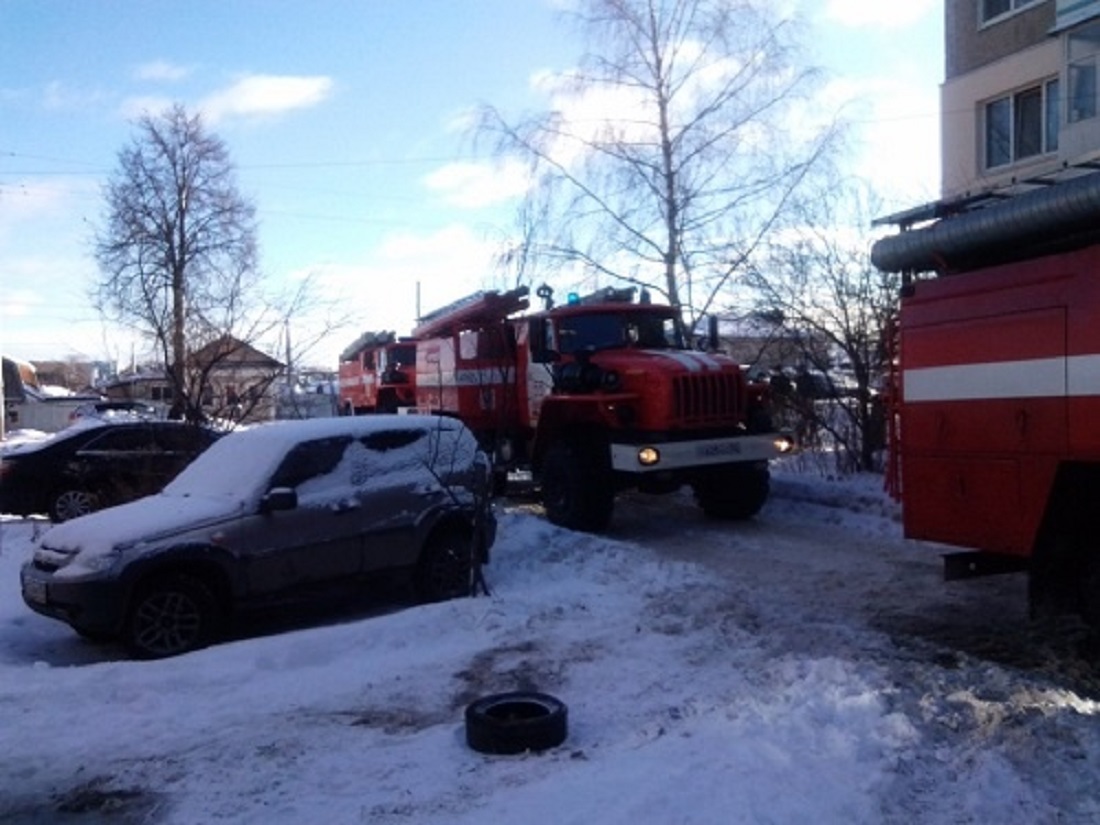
pixel 279 498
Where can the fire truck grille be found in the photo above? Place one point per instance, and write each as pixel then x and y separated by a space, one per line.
pixel 705 399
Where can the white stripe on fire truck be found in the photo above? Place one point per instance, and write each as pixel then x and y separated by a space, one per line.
pixel 468 378
pixel 1031 378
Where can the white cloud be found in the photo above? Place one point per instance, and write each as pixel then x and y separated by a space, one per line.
pixel 439 267
pixel 859 13
pixel 44 213
pixel 19 303
pixel 260 95
pixel 59 96
pixel 477 185
pixel 897 140
pixel 161 71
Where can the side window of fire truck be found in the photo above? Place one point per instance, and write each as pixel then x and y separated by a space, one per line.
pixel 497 342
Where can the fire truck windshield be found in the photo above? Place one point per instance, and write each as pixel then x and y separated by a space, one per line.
pixel 610 330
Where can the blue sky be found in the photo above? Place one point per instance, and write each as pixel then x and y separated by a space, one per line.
pixel 343 119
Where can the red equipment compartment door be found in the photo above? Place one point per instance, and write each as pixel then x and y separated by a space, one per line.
pixel 970 502
pixel 983 397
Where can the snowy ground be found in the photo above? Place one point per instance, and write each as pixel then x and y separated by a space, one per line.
pixel 809 666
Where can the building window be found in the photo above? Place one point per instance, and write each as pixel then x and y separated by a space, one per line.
pixel 1052 115
pixel 990 10
pixel 1022 125
pixel 1084 50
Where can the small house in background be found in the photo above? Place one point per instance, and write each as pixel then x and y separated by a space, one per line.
pixel 29 404
pixel 239 382
pixel 73 374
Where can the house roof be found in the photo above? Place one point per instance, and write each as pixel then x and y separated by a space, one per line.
pixel 232 352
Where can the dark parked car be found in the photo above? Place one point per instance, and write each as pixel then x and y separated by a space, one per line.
pixel 270 513
pixel 92 465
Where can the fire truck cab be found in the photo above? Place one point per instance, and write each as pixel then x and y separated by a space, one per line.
pixel 599 395
pixel 377 373
pixel 997 399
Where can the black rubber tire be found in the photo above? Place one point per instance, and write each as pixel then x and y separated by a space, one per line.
pixel 172 615
pixel 733 493
pixel 516 722
pixel 444 570
pixel 577 489
pixel 72 502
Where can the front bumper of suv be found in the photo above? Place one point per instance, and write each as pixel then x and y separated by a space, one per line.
pixel 93 604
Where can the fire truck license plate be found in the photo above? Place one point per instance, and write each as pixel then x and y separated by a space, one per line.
pixel 718 450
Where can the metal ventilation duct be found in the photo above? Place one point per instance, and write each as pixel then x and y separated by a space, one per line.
pixel 1063 214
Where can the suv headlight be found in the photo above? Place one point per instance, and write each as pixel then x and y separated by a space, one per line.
pixel 86 563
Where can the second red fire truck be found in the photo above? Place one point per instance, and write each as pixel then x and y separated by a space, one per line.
pixel 997 403
pixel 377 374
pixel 595 396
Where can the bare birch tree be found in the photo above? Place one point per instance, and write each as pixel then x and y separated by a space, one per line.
pixel 669 154
pixel 815 284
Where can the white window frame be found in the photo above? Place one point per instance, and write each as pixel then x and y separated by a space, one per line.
pixel 1047 139
pixel 1014 7
pixel 1082 54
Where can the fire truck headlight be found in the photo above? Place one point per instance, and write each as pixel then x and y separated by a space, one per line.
pixel 648 456
pixel 611 381
pixel 784 444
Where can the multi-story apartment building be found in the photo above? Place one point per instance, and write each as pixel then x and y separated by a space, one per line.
pixel 1019 99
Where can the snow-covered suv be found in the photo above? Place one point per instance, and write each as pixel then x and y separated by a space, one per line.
pixel 267 512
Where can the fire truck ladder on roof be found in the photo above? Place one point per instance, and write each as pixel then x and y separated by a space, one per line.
pixel 477 308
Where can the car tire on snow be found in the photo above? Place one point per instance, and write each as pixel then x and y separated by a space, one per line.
pixel 171 615
pixel 72 502
pixel 444 569
pixel 516 722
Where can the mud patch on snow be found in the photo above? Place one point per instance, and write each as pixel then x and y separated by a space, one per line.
pixel 527 665
pixel 1062 651
pixel 92 802
pixel 399 720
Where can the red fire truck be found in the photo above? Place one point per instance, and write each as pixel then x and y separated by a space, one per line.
pixel 596 396
pixel 377 374
pixel 997 399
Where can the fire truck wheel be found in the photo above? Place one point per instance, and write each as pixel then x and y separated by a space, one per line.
pixel 733 493
pixel 576 485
